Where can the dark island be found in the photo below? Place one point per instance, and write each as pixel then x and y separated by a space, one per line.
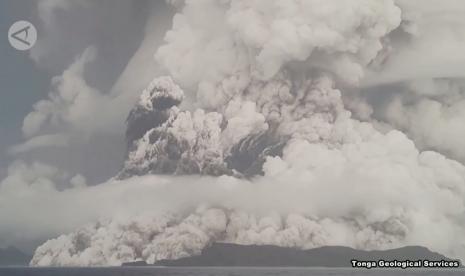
pixel 13 256
pixel 224 254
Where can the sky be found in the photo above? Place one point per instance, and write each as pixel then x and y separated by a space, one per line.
pixel 250 119
pixel 22 82
pixel 28 76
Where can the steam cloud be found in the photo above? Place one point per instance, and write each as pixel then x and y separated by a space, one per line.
pixel 254 111
pixel 431 104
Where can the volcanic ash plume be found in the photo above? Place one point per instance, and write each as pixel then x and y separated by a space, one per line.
pixel 253 103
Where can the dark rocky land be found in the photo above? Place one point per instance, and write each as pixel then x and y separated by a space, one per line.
pixel 223 254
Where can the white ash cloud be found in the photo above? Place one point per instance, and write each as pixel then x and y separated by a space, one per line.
pixel 26 212
pixel 388 194
pixel 418 87
pixel 428 44
pixel 218 54
pixel 250 80
pixel 71 103
pixel 257 74
pixel 431 112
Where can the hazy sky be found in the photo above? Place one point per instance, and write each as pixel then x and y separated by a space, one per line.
pixel 22 83
pixel 65 29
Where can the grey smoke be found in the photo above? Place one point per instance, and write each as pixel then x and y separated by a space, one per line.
pixel 158 111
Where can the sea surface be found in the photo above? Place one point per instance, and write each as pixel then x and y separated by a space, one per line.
pixel 219 271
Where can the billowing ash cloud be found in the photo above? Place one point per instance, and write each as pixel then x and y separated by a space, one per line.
pixel 172 237
pixel 432 112
pixel 255 89
pixel 164 139
pixel 374 193
pixel 256 102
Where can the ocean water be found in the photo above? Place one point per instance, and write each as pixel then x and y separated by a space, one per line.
pixel 219 271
